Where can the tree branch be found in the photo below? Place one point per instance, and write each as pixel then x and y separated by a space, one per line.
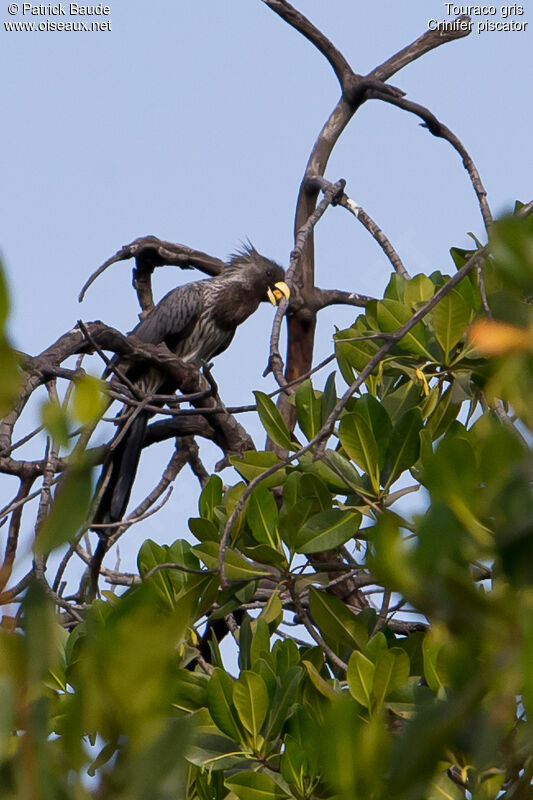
pixel 424 44
pixel 152 252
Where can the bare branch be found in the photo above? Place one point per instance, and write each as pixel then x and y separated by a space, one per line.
pixel 154 252
pixel 330 297
pixel 424 44
pixel 131 520
pixel 179 568
pixel 343 200
pixel 13 531
pixel 331 193
pixel 376 232
pixel 340 66
pixel 11 594
pixel 440 130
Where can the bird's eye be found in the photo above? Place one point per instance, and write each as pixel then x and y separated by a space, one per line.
pixel 269 273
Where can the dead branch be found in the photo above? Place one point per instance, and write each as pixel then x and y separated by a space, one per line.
pixel 356 89
pixel 151 252
pixel 440 130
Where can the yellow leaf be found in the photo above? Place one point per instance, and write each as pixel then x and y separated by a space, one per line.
pixel 89 400
pixel 493 338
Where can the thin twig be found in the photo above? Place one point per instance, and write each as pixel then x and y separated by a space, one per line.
pixel 440 130
pixel 304 618
pixel 111 365
pixel 13 531
pixel 375 231
pixel 275 362
pixel 360 214
pixel 131 520
pixel 8 450
pixel 180 568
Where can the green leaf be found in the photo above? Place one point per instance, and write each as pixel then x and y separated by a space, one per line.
pixel 392 671
pixel 444 414
pixel 220 704
pixel 179 552
pixel 260 644
pixel 460 256
pixel 250 697
pixel 418 290
pixel 327 530
pixel 9 362
pixel 291 523
pixel 396 287
pixel 329 397
pixel 391 316
pixel 4 297
pixel 378 420
pixel 69 510
pixel 42 636
pixel 149 556
pixel 263 666
pixel 233 497
pixel 376 645
pixel 404 445
pixel 237 567
pixel 11 375
pixel 450 318
pixel 314 488
pixel 358 441
pixel 360 677
pixel 294 765
pixel 442 788
pixel 203 529
pixel 430 651
pixel 286 696
pixel 191 690
pixel 291 491
pixel 308 409
pixel 511 243
pixel 254 463
pixel 335 621
pixel 89 401
pixel 255 786
pixel 265 555
pixel 321 470
pixel 272 612
pixel 402 399
pixel 273 422
pixel 213 752
pixel 245 643
pixel 262 516
pixel 318 681
pixel 345 469
pixel 352 353
pixel 55 420
pixel 287 655
pixel 210 497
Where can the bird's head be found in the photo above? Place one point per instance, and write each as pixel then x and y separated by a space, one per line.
pixel 265 276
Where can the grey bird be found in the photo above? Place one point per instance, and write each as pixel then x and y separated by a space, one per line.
pixel 196 321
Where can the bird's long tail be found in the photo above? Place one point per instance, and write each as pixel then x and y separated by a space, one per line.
pixel 118 476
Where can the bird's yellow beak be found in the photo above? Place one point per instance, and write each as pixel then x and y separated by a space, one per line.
pixel 280 290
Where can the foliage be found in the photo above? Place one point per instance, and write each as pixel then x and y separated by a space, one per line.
pixel 425 694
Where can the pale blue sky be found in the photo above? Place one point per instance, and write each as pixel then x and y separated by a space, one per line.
pixel 194 121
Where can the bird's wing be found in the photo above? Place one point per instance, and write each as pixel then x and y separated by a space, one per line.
pixel 173 316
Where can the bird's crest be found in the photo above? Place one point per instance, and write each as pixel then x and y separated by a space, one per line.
pixel 244 256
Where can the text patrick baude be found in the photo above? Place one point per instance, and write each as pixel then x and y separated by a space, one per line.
pixel 65 9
